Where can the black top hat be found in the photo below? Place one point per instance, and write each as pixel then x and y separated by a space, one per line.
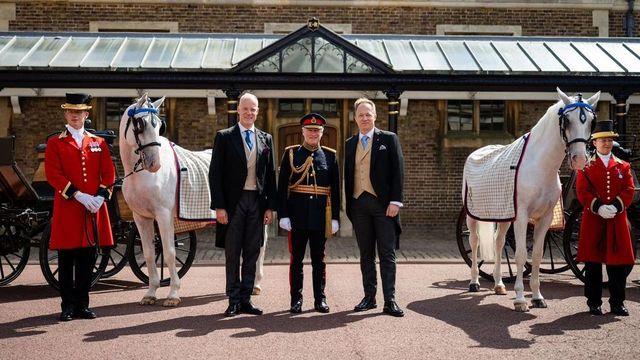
pixel 77 102
pixel 603 129
pixel 313 121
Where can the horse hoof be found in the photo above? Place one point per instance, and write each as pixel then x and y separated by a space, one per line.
pixel 148 300
pixel 521 307
pixel 172 302
pixel 500 290
pixel 474 287
pixel 539 303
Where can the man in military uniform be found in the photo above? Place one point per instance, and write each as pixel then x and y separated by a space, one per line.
pixel 309 206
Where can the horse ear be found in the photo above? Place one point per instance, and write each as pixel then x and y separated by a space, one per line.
pixel 156 104
pixel 142 100
pixel 594 99
pixel 562 96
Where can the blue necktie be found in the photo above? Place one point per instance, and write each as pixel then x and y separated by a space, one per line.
pixel 364 141
pixel 247 139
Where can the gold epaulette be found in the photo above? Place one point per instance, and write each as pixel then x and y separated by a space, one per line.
pixel 329 149
pixel 291 147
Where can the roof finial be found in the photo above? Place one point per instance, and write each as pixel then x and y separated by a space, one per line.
pixel 313 24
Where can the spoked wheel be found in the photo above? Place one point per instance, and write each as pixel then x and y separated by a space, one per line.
pixel 185 245
pixel 553 259
pixel 14 251
pixel 118 255
pixel 486 268
pixel 570 244
pixel 49 261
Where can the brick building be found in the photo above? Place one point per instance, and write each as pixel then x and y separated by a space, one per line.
pixel 438 128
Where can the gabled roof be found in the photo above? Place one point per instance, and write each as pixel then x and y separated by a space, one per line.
pixel 313 49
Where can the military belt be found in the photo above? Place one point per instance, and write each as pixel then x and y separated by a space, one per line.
pixel 311 189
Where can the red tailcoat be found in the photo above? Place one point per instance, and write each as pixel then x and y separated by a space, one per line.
pixel 69 169
pixel 605 241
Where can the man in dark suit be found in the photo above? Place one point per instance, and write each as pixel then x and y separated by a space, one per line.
pixel 243 193
pixel 309 207
pixel 374 176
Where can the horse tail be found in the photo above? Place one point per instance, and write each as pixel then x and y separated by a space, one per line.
pixel 486 240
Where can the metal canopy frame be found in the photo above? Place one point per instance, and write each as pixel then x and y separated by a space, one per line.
pixel 227 61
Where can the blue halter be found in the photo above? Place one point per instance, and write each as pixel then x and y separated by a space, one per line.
pixel 563 120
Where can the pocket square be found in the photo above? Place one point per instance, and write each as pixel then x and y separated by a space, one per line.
pixel 382 147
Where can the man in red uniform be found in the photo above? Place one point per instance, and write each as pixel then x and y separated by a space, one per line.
pixel 605 189
pixel 79 168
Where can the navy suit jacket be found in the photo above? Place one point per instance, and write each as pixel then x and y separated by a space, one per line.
pixel 228 172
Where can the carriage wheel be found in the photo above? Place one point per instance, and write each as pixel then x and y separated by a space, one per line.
pixel 49 261
pixel 553 259
pixel 118 255
pixel 508 255
pixel 185 245
pixel 14 251
pixel 570 243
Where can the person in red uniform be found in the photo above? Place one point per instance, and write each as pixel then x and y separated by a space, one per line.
pixel 605 189
pixel 79 168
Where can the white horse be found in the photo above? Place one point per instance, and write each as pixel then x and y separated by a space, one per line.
pixel 564 129
pixel 150 194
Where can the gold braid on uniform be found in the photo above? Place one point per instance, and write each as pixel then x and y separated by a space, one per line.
pixel 304 169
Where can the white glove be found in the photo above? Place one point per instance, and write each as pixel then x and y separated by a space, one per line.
pixel 285 223
pixel 86 200
pixel 95 202
pixel 613 210
pixel 335 226
pixel 100 200
pixel 605 211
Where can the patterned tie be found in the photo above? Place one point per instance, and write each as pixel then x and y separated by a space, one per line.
pixel 247 139
pixel 364 141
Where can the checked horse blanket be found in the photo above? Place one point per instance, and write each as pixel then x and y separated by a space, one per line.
pixel 193 197
pixel 490 181
pixel 490 175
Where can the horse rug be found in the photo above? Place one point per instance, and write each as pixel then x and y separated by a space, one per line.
pixel 490 181
pixel 193 197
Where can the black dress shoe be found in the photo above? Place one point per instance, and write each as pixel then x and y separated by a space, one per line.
pixel 391 308
pixel 321 306
pixel 296 308
pixel 232 310
pixel 66 315
pixel 249 308
pixel 367 303
pixel 85 313
pixel 595 310
pixel 620 310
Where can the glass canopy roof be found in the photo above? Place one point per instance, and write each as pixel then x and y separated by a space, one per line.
pixel 404 54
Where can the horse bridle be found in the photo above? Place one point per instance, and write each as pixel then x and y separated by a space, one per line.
pixel 139 126
pixel 564 120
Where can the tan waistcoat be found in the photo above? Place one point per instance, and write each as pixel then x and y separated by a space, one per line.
pixel 362 181
pixel 250 183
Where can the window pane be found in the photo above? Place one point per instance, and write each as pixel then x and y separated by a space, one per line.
pixel 297 57
pixel 291 105
pixel 114 109
pixel 492 116
pixel 324 106
pixel 460 115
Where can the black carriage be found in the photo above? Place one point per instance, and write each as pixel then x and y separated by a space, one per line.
pixel 26 209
